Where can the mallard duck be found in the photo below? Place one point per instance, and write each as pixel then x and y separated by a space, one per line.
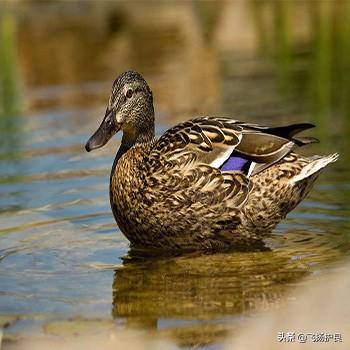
pixel 206 183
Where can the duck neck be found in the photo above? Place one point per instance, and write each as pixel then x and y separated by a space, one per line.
pixel 132 137
pixel 141 131
pixel 144 133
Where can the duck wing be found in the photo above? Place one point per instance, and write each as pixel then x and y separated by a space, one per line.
pixel 229 144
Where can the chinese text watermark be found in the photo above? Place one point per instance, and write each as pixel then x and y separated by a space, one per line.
pixel 315 337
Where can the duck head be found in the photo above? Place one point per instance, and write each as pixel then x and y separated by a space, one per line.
pixel 130 109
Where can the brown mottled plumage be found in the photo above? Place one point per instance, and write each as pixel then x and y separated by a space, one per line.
pixel 171 194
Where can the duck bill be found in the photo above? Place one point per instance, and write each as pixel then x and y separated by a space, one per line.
pixel 108 128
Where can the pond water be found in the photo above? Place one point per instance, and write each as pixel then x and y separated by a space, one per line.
pixel 62 257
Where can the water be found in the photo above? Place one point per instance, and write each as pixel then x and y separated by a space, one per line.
pixel 62 256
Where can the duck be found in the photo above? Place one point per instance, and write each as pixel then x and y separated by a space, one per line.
pixel 206 183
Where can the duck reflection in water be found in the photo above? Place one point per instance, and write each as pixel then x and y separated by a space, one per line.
pixel 184 297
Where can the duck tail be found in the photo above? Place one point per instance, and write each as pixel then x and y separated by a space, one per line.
pixel 316 164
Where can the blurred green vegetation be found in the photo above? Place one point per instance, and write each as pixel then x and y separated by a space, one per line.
pixel 9 98
pixel 313 70
pixel 9 91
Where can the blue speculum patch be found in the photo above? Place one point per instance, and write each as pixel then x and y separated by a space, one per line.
pixel 235 162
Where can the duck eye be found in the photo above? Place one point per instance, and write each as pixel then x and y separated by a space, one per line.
pixel 128 93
